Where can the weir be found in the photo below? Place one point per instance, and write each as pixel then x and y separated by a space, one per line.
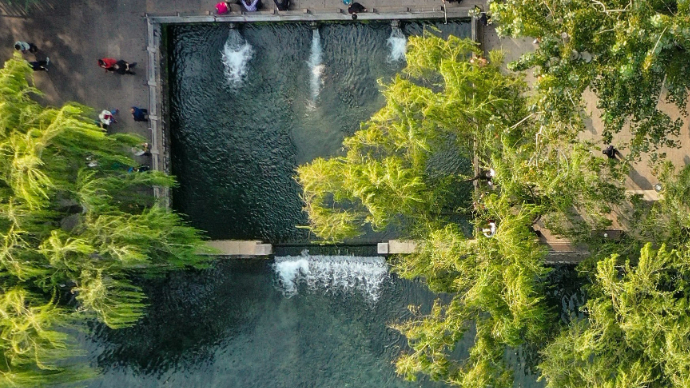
pixel 331 274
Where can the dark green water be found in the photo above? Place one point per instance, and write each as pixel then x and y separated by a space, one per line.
pixel 238 325
pixel 293 322
pixel 235 145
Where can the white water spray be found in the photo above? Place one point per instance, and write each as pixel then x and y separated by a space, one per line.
pixel 331 274
pixel 315 66
pixel 236 54
pixel 398 43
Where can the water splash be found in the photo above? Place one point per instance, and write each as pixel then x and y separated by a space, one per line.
pixel 316 66
pixel 235 55
pixel 332 274
pixel 398 43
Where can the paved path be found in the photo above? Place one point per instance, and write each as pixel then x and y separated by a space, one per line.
pixel 74 33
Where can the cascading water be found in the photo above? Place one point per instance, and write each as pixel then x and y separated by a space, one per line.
pixel 398 44
pixel 235 55
pixel 315 66
pixel 331 273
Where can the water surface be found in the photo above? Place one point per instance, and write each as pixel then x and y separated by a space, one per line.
pixel 248 105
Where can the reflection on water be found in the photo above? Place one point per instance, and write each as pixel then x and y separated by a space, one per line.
pixel 235 149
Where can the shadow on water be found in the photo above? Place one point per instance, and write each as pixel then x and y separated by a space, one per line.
pixel 190 314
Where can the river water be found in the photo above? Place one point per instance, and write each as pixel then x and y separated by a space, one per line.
pixel 295 321
pixel 248 105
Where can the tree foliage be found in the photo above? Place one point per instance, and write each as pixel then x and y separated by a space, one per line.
pixel 446 105
pixel 637 329
pixel 73 220
pixel 630 53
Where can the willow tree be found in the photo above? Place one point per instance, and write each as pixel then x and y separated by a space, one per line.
pixel 73 221
pixel 637 329
pixel 630 53
pixel 399 171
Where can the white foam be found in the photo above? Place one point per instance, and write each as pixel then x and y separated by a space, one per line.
pixel 331 274
pixel 235 55
pixel 398 43
pixel 316 67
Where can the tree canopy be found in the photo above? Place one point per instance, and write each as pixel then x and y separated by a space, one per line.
pixel 447 105
pixel 74 226
pixel 632 54
pixel 637 330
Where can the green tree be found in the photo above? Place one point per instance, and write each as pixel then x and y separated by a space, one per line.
pixel 72 221
pixel 630 53
pixel 443 107
pixel 637 329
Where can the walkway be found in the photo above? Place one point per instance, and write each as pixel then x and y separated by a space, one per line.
pixel 74 33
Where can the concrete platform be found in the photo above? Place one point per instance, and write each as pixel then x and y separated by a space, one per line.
pixel 240 248
pixel 394 247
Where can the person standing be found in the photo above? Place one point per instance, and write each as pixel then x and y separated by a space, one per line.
pixel 611 152
pixel 25 46
pixel 251 5
pixel 222 8
pixel 282 5
pixel 356 8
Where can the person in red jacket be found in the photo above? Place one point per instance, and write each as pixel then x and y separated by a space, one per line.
pixel 107 63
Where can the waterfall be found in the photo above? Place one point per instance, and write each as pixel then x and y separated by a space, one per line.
pixel 315 66
pixel 398 43
pixel 236 54
pixel 331 274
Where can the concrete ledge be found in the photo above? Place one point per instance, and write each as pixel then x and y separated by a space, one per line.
pixel 240 248
pixel 394 247
pixel 454 13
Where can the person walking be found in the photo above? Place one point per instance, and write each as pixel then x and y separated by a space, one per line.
pixel 123 67
pixel 139 114
pixel 611 152
pixel 107 63
pixel 107 117
pixel 25 46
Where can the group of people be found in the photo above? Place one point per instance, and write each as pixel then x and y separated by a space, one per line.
pixel 107 116
pixel 26 47
pixel 112 65
pixel 223 7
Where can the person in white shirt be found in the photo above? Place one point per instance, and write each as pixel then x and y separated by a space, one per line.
pixel 251 5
